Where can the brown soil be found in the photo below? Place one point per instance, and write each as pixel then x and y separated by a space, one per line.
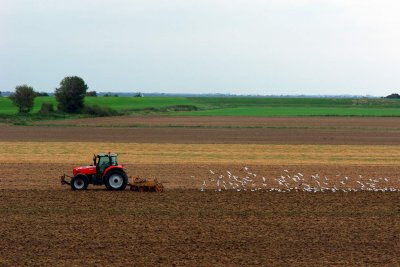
pixel 203 135
pixel 314 122
pixel 41 176
pixel 100 228
pixel 249 130
pixel 45 224
pixel 30 176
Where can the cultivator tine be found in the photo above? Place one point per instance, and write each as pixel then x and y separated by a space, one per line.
pixel 63 181
pixel 144 185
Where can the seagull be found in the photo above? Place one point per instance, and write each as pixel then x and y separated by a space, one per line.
pixel 202 187
pixel 247 180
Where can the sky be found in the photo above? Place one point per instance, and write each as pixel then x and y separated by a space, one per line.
pixel 276 47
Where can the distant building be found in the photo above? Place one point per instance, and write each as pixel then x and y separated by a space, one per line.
pixel 139 95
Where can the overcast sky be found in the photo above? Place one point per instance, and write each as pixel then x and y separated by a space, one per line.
pixel 203 46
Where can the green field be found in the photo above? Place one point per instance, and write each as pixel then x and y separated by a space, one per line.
pixel 117 103
pixel 234 106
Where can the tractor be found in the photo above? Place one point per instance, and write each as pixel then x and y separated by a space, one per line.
pixel 104 170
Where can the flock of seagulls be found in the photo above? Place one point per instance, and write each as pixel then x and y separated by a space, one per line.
pixel 287 182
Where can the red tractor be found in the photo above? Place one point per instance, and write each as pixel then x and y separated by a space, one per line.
pixel 105 170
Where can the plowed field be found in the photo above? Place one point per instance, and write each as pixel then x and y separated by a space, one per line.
pixel 99 228
pixel 214 130
pixel 43 223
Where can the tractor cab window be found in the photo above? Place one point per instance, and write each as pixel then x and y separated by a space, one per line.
pixel 114 161
pixel 103 163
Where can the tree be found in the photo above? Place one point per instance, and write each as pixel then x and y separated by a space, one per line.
pixel 46 108
pixel 23 98
pixel 393 96
pixel 71 93
pixel 41 94
pixel 91 93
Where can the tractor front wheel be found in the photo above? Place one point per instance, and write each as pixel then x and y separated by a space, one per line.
pixel 116 180
pixel 79 182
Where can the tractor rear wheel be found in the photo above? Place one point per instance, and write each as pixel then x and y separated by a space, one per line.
pixel 116 180
pixel 79 182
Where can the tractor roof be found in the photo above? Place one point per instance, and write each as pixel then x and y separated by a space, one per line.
pixel 106 154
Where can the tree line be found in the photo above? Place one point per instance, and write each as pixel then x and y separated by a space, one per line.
pixel 69 95
pixel 393 96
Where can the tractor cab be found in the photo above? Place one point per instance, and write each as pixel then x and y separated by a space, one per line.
pixel 103 161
